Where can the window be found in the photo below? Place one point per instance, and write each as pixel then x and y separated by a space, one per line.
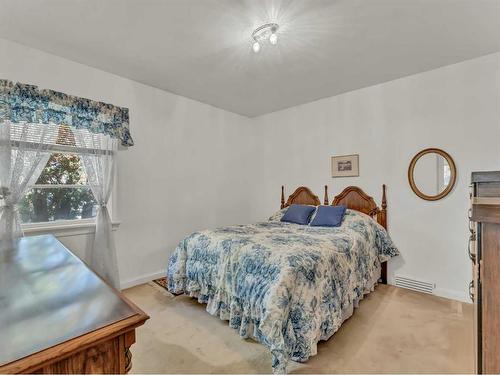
pixel 60 193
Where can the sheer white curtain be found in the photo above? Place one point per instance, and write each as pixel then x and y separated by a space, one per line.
pixel 99 161
pixel 23 155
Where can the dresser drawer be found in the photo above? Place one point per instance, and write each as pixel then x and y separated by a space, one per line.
pixel 488 189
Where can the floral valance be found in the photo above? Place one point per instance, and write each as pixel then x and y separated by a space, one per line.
pixel 27 103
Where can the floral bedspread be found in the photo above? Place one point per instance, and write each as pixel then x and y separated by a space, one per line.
pixel 285 285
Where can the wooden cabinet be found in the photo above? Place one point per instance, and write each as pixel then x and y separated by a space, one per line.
pixel 57 316
pixel 485 255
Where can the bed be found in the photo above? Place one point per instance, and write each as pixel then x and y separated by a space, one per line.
pixel 285 285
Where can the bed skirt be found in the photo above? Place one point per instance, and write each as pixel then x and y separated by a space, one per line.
pixel 238 315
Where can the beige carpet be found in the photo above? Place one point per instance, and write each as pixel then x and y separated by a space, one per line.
pixel 393 331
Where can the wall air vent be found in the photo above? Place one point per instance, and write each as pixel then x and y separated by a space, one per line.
pixel 416 285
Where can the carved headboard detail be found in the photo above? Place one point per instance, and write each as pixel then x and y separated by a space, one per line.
pixel 356 199
pixel 352 197
pixel 301 195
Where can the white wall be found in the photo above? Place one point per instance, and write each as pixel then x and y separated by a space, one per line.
pixel 456 108
pixel 187 170
pixel 195 166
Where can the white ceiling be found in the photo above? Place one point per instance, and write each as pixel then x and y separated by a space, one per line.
pixel 202 48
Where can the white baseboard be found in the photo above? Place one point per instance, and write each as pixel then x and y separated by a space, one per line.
pixel 452 294
pixel 142 280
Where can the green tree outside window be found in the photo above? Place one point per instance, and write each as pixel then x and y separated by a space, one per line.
pixel 59 203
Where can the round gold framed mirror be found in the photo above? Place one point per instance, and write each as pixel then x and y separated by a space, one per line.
pixel 432 174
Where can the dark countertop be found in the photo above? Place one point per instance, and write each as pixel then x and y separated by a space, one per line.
pixel 49 296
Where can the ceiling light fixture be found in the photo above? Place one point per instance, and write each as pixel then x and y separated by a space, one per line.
pixel 263 33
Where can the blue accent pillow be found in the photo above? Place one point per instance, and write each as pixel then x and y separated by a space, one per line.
pixel 298 214
pixel 328 216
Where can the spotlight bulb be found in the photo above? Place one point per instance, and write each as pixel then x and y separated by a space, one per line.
pixel 256 47
pixel 273 39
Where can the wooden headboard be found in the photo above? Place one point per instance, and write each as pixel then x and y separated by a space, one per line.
pixel 352 197
pixel 356 199
pixel 301 195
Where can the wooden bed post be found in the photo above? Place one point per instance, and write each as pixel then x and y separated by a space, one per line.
pixel 382 214
pixel 282 197
pixel 382 220
pixel 326 196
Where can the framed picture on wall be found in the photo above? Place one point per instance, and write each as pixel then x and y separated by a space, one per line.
pixel 345 166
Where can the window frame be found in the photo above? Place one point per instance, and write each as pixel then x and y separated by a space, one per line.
pixel 63 228
pixel 75 227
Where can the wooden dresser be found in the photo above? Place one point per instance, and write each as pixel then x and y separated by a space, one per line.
pixel 484 251
pixel 57 316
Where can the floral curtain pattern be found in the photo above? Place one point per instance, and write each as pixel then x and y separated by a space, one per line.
pixel 28 103
pixel 33 123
